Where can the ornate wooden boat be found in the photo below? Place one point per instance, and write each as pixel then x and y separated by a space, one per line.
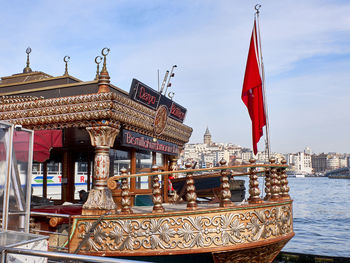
pixel 254 231
pixel 129 144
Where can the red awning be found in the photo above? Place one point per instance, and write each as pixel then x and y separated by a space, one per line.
pixel 44 141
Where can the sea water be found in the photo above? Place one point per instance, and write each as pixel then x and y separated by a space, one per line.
pixel 321 211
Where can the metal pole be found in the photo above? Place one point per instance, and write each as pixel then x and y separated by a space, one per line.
pixel 267 141
pixel 158 83
pixel 64 256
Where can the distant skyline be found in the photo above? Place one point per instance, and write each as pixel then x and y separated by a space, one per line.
pixel 305 45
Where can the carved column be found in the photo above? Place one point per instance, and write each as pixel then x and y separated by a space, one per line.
pixel 157 196
pixel 191 195
pixel 225 194
pixel 275 188
pixel 126 201
pixel 279 179
pixel 100 197
pixel 267 184
pixel 254 190
pixel 284 182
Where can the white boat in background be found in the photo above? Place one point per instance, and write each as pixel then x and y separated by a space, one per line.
pixel 296 174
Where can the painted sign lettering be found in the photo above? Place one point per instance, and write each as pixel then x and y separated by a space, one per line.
pixel 153 99
pixel 140 141
pixel 144 94
pixel 177 112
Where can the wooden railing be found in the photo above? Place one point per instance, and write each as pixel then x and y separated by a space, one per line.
pixel 276 184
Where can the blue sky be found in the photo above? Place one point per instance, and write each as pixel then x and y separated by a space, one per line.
pixel 305 45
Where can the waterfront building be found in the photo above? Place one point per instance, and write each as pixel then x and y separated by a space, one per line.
pixel 208 160
pixel 332 163
pixel 300 162
pixel 343 161
pixel 209 153
pixel 222 155
pixel 319 162
pixel 247 154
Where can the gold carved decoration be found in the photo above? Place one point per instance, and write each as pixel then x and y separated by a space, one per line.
pixel 91 110
pixel 102 135
pixel 171 233
pixel 160 120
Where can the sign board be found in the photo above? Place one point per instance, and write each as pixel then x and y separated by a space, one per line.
pixel 145 95
pixel 144 142
pixel 151 98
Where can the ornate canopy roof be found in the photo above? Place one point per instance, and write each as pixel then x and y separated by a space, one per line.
pixel 39 101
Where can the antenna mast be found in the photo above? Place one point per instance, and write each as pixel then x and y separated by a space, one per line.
pixel 164 80
pixel 172 74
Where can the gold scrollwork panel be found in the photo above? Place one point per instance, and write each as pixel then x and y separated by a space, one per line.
pixel 213 230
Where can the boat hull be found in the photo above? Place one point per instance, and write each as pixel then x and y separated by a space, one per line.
pixel 245 230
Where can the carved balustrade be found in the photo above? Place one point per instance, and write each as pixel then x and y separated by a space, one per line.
pixel 191 195
pixel 254 191
pixel 276 184
pixel 284 182
pixel 267 184
pixel 126 200
pixel 225 195
pixel 156 191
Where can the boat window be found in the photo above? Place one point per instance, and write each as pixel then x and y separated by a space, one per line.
pixel 54 180
pixel 118 159
pixel 81 171
pixel 143 164
pixel 159 159
pixel 37 179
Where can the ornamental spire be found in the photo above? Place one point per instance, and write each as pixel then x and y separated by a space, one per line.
pixel 66 60
pixel 27 69
pixel 98 60
pixel 103 82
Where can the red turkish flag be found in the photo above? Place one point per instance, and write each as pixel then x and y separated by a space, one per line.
pixel 252 95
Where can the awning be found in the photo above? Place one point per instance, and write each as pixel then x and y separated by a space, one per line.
pixel 44 141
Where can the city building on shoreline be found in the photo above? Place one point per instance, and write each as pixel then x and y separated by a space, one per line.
pixel 209 154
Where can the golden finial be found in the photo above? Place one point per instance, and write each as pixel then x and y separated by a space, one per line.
pixel 103 81
pixel 104 53
pixel 66 60
pixel 98 60
pixel 27 69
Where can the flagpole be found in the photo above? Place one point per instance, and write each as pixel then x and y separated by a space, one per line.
pixel 267 141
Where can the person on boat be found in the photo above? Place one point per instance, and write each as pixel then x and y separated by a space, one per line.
pixel 171 187
pixel 83 196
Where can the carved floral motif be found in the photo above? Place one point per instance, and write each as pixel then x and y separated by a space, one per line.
pixel 188 232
